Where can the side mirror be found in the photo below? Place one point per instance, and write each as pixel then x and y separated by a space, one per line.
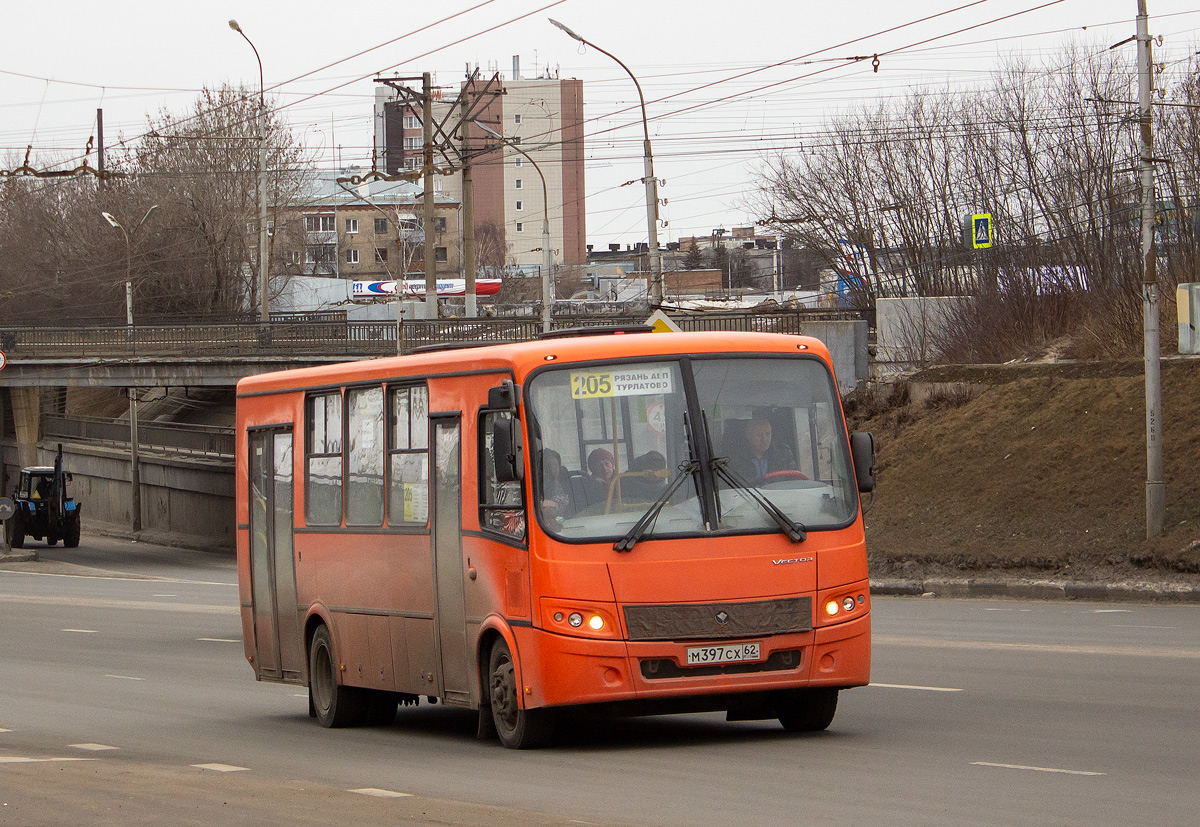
pixel 507 449
pixel 503 397
pixel 862 449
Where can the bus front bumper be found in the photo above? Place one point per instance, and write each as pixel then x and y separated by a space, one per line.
pixel 557 670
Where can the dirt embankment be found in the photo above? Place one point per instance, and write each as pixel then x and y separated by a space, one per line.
pixel 1040 471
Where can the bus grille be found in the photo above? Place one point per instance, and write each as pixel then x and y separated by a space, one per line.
pixel 719 621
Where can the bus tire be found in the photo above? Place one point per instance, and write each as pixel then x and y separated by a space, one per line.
pixel 807 710
pixel 335 704
pixel 517 728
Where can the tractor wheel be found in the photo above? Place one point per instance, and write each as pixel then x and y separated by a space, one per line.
pixel 14 527
pixel 71 534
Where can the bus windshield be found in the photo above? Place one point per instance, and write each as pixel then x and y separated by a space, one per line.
pixel 696 444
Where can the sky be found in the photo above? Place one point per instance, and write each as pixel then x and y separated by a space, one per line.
pixel 727 85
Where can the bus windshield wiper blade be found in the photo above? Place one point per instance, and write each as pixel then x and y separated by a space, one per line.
pixel 790 527
pixel 639 528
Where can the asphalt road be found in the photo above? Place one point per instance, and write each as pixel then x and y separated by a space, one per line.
pixel 125 699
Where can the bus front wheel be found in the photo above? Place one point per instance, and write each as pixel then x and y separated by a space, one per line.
pixel 518 728
pixel 807 710
pixel 335 704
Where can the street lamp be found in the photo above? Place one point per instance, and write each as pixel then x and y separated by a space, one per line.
pixel 264 313
pixel 547 253
pixel 656 278
pixel 135 474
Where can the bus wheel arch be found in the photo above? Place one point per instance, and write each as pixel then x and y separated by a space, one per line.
pixel 517 727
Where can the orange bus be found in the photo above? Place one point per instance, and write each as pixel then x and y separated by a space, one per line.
pixel 644 523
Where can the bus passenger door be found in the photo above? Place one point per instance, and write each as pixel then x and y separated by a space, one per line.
pixel 277 638
pixel 450 612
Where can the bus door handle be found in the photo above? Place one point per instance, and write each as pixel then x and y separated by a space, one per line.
pixel 471 572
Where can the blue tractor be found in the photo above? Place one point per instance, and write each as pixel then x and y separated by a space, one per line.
pixel 43 509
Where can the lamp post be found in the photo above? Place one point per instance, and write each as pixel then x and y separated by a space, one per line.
pixel 135 474
pixel 264 312
pixel 656 278
pixel 547 252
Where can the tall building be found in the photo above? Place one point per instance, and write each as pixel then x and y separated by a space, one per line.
pixel 544 116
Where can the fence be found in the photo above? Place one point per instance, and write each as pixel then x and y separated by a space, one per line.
pixel 335 336
pixel 164 436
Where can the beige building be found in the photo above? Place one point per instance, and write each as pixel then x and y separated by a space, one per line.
pixel 368 232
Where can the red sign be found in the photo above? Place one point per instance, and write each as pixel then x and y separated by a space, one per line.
pixel 3 360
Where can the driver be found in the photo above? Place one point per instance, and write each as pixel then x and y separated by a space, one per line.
pixel 760 456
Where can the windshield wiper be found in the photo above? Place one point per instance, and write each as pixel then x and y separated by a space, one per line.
pixel 790 527
pixel 639 528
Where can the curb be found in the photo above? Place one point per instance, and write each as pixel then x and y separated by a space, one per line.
pixel 1037 589
pixel 17 556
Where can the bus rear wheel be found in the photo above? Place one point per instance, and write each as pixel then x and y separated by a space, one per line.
pixel 335 704
pixel 807 710
pixel 518 728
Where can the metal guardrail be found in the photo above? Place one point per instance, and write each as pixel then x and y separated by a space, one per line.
pixel 207 440
pixel 339 337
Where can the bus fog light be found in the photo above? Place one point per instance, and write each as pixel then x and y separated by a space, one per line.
pixel 595 623
pixel 848 604
pixel 831 608
pixel 575 619
pixel 558 617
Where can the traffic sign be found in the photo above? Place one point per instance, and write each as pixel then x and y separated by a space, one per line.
pixel 660 322
pixel 981 231
pixel 3 360
pixel 7 509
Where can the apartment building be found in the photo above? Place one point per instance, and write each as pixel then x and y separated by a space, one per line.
pixel 370 231
pixel 544 117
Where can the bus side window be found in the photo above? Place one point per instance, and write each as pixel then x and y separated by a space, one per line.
pixel 501 504
pixel 323 460
pixel 408 455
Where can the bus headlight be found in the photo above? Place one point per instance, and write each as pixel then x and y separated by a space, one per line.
pixel 581 618
pixel 595 623
pixel 575 619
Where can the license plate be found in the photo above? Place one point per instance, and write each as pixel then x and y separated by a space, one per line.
pixel 697 655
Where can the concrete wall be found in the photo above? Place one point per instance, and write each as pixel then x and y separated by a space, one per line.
pixel 847 343
pixel 185 501
pixel 906 331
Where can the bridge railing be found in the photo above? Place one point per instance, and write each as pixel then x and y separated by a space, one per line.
pixel 208 440
pixel 325 336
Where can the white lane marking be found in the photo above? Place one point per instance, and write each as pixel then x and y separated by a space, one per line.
pixel 1112 611
pixel 378 793
pixel 81 631
pixel 1133 626
pixel 166 595
pixel 300 695
pixel 218 640
pixel 908 686
pixel 92 747
pixel 1034 769
pixel 123 605
pixel 5 730
pixel 1177 652
pixel 1008 610
pixel 220 767
pixel 20 759
pixel 102 575
pixel 125 677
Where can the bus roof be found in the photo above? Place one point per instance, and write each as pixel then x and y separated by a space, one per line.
pixel 521 358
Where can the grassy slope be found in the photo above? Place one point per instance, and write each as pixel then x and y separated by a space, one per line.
pixel 1042 475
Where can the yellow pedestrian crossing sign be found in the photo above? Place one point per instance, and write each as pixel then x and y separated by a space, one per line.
pixel 981 231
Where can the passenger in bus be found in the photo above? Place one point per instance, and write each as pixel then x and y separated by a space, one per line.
pixel 556 486
pixel 759 456
pixel 646 481
pixel 602 467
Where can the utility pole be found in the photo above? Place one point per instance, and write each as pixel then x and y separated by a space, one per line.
pixel 468 204
pixel 1155 489
pixel 431 305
